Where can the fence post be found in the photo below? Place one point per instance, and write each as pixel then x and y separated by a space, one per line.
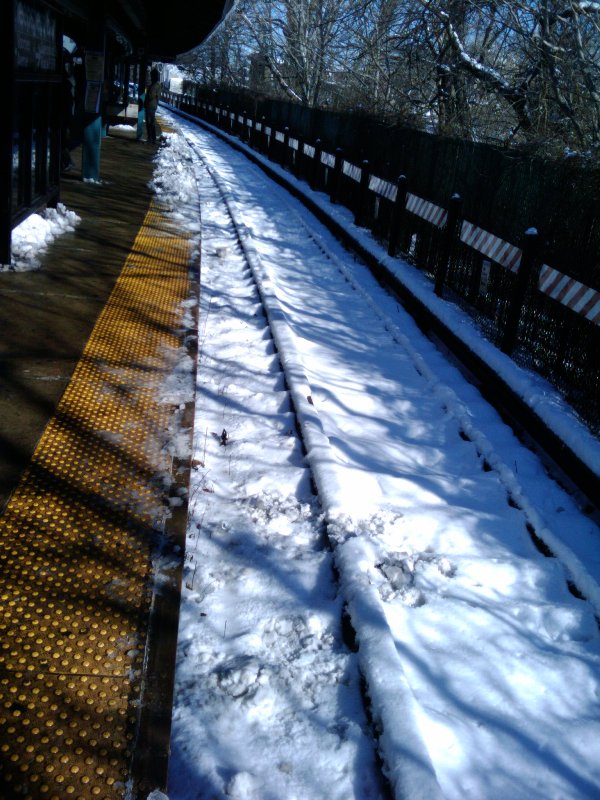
pixel 450 237
pixel 264 141
pixel 316 166
pixel 265 138
pixel 398 212
pixel 360 216
pixel 531 245
pixel 337 174
pixel 299 163
pixel 272 152
pixel 286 147
pixel 244 135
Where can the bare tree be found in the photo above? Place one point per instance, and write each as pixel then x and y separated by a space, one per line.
pixel 534 65
pixel 516 71
pixel 297 39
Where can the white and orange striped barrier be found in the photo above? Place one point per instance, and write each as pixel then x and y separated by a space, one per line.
pixel 495 248
pixel 426 210
pixel 570 293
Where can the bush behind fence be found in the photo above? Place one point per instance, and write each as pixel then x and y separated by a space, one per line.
pixel 513 239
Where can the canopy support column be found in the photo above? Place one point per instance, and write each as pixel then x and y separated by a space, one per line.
pixel 7 61
pixel 94 91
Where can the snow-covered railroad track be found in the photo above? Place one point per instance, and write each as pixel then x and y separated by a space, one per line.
pixel 482 668
pixel 268 695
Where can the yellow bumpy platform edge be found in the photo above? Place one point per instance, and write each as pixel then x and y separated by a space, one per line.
pixel 76 542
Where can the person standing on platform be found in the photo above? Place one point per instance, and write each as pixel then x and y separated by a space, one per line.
pixel 151 104
pixel 66 120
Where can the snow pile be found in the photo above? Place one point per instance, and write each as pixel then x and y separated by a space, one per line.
pixel 174 184
pixel 173 180
pixel 31 238
pixel 124 131
pixel 177 390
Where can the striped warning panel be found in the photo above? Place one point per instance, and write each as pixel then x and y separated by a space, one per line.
pixel 327 159
pixel 570 293
pixel 503 253
pixel 426 210
pixel 352 171
pixel 383 188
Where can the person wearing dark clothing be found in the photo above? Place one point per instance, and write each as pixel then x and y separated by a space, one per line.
pixel 151 104
pixel 66 119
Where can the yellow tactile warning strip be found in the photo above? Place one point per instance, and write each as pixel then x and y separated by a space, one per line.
pixel 76 544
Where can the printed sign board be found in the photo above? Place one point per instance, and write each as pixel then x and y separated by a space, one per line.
pixel 94 75
pixel 36 48
pixel 484 281
pixel 93 97
pixel 94 66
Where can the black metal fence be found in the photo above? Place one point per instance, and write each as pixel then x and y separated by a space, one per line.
pixel 541 309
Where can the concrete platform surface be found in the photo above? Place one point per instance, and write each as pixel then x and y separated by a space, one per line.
pixel 86 643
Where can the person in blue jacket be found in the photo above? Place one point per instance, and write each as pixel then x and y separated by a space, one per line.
pixel 151 104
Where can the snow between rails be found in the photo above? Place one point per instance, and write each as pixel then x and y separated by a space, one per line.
pixel 407 764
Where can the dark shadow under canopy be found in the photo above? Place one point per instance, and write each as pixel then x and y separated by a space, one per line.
pixel 161 31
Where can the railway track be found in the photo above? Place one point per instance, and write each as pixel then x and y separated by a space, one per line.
pixel 445 532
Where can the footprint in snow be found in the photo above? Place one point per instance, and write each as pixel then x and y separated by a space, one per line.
pixel 240 676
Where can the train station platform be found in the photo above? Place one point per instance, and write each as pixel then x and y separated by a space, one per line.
pixel 84 493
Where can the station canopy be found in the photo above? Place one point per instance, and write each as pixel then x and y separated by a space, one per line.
pixel 162 31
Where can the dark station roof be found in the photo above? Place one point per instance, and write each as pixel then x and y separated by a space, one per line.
pixel 163 30
pixel 186 25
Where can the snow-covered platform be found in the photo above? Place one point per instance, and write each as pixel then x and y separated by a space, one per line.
pixel 50 302
pixel 99 322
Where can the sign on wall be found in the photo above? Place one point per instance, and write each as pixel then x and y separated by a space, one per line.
pixel 94 75
pixel 36 47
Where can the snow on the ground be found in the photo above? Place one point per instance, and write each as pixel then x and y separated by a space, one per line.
pixel 30 239
pixel 267 697
pixel 483 669
pixel 534 390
